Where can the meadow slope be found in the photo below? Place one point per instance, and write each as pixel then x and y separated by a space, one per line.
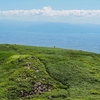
pixel 41 73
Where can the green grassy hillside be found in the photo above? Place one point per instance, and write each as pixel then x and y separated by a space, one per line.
pixel 38 73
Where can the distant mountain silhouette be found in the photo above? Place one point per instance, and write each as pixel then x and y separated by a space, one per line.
pixel 48 27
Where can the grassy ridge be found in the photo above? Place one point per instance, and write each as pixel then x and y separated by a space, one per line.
pixel 38 73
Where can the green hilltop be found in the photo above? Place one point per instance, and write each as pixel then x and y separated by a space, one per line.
pixel 41 73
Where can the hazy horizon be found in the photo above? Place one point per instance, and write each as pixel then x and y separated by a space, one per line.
pixel 61 35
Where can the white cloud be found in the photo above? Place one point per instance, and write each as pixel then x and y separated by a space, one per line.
pixel 47 11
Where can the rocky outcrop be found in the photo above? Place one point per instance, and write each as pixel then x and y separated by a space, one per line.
pixel 38 88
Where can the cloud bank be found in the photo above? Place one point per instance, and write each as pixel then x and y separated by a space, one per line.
pixel 48 11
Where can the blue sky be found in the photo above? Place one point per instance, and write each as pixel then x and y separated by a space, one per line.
pixel 68 11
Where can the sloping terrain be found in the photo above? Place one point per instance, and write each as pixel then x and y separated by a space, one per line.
pixel 38 73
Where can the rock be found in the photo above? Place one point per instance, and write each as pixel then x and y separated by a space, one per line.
pixel 34 76
pixel 49 97
pixel 27 64
pixel 38 84
pixel 37 71
pixel 43 79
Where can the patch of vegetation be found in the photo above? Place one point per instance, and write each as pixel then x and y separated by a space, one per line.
pixel 39 73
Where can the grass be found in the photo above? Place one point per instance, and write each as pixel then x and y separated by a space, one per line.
pixel 71 74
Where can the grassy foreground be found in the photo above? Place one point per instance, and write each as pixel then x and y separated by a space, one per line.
pixel 38 73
